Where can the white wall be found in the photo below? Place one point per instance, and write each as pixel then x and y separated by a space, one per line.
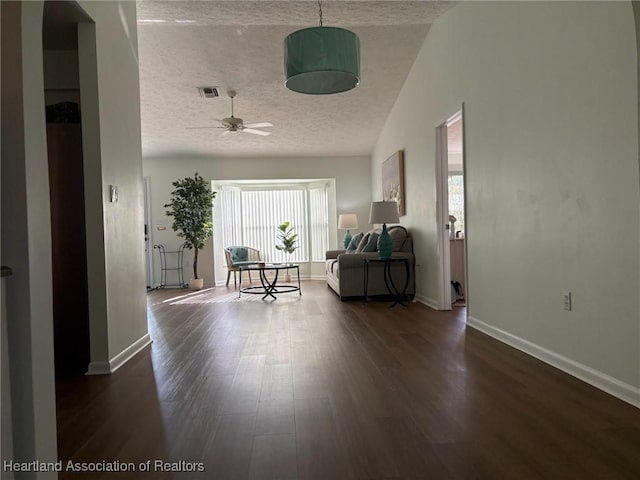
pixel 353 191
pixel 551 132
pixel 119 164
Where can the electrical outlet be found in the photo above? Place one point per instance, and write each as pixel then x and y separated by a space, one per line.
pixel 567 300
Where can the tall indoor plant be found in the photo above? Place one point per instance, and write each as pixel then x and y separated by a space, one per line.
pixel 190 207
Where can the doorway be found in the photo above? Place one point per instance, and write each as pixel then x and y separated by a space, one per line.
pixel 66 189
pixel 451 211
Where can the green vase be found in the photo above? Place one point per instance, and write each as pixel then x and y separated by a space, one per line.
pixel 385 244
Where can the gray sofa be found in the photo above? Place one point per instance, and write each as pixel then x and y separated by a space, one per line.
pixel 345 270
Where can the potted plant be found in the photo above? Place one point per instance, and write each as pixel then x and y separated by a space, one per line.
pixel 190 207
pixel 287 238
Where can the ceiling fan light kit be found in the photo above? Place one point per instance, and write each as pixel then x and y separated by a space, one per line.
pixel 235 124
pixel 321 60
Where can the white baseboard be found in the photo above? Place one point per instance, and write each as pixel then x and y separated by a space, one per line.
pixel 106 368
pixel 429 302
pixel 613 386
pixel 99 368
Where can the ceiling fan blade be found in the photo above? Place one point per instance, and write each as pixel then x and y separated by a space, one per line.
pixel 255 132
pixel 258 125
pixel 226 132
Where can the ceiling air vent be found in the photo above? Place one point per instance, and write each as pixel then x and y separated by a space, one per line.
pixel 209 92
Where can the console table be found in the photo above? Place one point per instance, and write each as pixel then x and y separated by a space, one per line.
pixel 269 287
pixel 398 295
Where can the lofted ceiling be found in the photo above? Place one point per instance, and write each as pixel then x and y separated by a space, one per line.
pixel 237 45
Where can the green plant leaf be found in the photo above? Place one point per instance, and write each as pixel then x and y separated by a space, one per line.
pixel 287 238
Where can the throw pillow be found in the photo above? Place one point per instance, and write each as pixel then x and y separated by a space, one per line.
pixel 398 236
pixel 355 241
pixel 363 242
pixel 372 243
pixel 239 254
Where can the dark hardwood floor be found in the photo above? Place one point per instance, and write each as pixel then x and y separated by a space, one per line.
pixel 313 388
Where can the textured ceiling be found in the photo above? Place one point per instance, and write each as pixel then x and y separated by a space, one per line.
pixel 237 45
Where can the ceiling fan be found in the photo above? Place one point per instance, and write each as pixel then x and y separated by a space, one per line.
pixel 236 125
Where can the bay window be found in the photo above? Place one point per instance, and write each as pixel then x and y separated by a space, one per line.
pixel 249 213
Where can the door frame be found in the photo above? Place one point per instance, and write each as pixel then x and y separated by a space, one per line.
pixel 442 208
pixel 148 241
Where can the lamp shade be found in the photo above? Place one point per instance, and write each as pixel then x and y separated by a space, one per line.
pixel 322 60
pixel 347 221
pixel 384 212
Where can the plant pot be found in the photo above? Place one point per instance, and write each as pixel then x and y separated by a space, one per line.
pixel 196 283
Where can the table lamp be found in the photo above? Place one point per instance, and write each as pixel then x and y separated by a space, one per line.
pixel 384 212
pixel 347 221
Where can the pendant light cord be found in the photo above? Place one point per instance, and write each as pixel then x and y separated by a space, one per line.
pixel 320 11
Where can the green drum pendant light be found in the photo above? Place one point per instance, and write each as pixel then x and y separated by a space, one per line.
pixel 321 60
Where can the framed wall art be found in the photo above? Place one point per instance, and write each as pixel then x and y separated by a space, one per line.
pixel 393 180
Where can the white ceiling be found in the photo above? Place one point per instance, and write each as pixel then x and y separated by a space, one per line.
pixel 237 45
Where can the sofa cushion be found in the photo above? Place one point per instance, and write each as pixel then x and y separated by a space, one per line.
pixel 372 243
pixel 366 241
pixel 363 242
pixel 398 236
pixel 355 241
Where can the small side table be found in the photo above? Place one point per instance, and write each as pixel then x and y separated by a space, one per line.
pixel 398 295
pixel 177 261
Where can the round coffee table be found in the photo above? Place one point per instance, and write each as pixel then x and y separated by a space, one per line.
pixel 269 287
